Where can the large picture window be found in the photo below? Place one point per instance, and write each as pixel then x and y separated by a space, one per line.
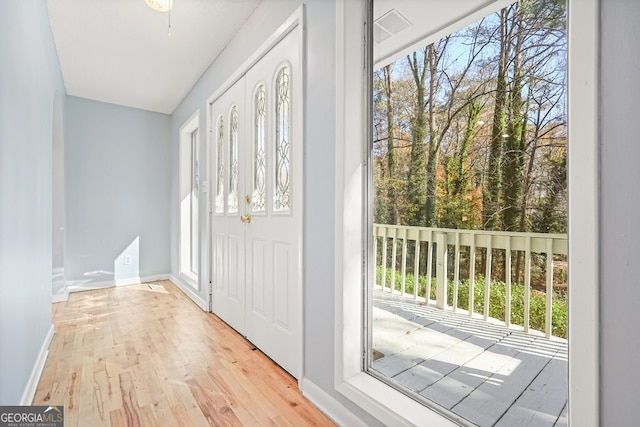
pixel 469 298
pixel 353 379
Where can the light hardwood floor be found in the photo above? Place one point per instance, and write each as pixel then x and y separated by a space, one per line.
pixel 133 356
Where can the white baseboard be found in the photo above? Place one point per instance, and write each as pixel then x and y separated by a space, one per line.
pixel 60 297
pixel 111 283
pixel 34 379
pixel 138 280
pixel 330 406
pixel 190 292
pixel 156 278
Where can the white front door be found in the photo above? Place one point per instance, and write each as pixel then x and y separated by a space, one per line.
pixel 257 231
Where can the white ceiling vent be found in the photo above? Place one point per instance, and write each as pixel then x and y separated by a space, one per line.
pixel 389 24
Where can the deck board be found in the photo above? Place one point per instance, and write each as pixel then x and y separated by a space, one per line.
pixel 543 401
pixel 482 371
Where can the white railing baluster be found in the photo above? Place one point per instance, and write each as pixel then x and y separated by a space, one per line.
pixel 507 276
pixel 416 267
pixel 549 299
pixel 527 283
pixel 441 270
pixel 456 272
pixel 403 267
pixel 437 241
pixel 472 273
pixel 487 277
pixel 429 265
pixel 394 253
pixel 384 258
pixel 375 252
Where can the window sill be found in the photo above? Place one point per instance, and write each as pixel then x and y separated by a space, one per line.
pixel 388 405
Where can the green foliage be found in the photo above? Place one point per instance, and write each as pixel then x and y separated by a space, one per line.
pixel 497 300
pixel 409 282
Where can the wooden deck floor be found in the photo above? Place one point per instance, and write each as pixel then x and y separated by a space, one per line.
pixel 135 356
pixel 483 372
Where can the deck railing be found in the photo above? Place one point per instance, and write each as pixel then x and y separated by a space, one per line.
pixel 407 245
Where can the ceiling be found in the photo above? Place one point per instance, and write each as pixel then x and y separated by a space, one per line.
pixel 410 24
pixel 119 51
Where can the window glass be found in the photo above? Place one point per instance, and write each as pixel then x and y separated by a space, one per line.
pixel 469 212
pixel 282 191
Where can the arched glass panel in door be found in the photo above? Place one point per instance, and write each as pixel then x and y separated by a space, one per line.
pixel 232 201
pixel 220 166
pixel 282 194
pixel 259 151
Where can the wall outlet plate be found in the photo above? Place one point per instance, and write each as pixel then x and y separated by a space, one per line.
pixel 127 259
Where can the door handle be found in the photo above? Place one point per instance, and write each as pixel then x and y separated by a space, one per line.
pixel 246 218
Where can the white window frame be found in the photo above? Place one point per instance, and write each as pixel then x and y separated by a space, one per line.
pixel 185 181
pixel 383 402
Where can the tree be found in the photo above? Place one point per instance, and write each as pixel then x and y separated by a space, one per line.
pixel 438 164
pixel 417 165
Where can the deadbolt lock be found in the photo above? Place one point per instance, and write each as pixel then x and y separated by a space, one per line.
pixel 247 199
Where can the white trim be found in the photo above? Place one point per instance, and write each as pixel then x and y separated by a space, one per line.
pixel 89 286
pixel 190 279
pixel 36 373
pixel 328 405
pixel 60 297
pixel 191 125
pixel 210 198
pixel 292 22
pixel 348 275
pixel 190 292
pixel 383 402
pixel 300 113
pixel 390 406
pixel 583 179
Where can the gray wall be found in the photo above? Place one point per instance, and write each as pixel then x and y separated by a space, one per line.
pixel 619 212
pixel 319 168
pixel 117 192
pixel 29 80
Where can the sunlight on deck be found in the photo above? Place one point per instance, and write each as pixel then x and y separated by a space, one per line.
pixel 482 371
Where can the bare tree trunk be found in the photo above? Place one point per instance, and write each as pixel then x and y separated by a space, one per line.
pixel 434 142
pixel 491 196
pixel 513 163
pixel 391 152
pixel 417 165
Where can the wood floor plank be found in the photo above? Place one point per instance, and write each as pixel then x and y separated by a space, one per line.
pixel 133 356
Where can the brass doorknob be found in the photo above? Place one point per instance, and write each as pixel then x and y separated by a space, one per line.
pixel 246 218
